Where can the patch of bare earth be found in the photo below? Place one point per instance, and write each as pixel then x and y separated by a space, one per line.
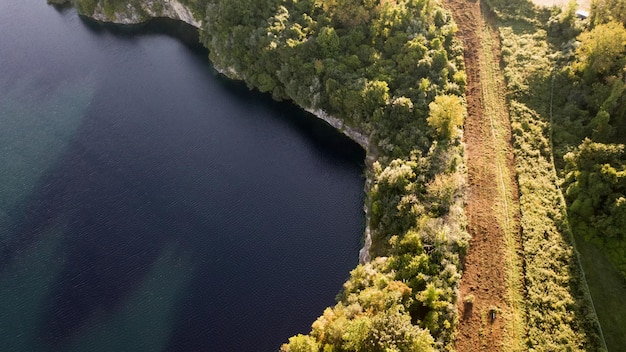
pixel 485 322
pixel 581 4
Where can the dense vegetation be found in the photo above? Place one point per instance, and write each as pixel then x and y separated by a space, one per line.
pixel 565 78
pixel 376 65
pixel 595 168
pixel 394 71
pixel 576 76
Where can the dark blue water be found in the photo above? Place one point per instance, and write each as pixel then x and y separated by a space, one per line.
pixel 147 204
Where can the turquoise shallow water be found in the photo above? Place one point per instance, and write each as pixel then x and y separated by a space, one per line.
pixel 146 204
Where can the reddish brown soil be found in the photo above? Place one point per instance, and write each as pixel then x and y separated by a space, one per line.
pixel 484 275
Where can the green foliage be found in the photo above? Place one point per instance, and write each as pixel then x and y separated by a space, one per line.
pixel 393 331
pixel 350 13
pixel 395 206
pixel 559 312
pixel 596 189
pixel 601 50
pixel 603 11
pixel 357 60
pixel 329 42
pixel 602 130
pixel 583 97
pixel 507 10
pixel 86 7
pixel 447 113
pixel 591 106
pixel 566 24
pixel 197 7
pixel 301 343
pixel 384 331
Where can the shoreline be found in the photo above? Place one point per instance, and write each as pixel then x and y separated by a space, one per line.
pixel 179 12
pixel 362 140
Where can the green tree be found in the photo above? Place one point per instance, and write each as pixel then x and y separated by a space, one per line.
pixel 603 11
pixel 601 50
pixel 351 13
pixel 596 186
pixel 447 113
pixel 602 130
pixel 392 330
pixel 328 40
pixel 356 335
pixel 375 95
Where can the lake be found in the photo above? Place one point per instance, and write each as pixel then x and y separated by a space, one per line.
pixel 149 204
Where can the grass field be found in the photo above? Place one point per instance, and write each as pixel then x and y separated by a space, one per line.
pixel 608 289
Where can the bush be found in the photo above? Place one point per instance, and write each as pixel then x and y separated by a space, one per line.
pixel 447 113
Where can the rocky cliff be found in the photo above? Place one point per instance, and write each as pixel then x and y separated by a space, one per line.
pixel 132 12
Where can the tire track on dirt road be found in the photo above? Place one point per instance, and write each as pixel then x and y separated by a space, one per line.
pixel 489 305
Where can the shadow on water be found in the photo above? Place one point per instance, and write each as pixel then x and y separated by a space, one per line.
pixel 323 136
pixel 118 212
pixel 63 7
pixel 184 32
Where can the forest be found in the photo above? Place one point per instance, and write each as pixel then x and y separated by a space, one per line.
pixel 593 152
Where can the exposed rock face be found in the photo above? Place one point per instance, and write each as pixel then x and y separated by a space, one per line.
pixel 354 134
pixel 146 10
pixel 229 72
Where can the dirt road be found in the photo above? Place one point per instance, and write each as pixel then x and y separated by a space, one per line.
pixel 488 320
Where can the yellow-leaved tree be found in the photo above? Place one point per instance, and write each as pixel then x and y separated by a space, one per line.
pixel 447 113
